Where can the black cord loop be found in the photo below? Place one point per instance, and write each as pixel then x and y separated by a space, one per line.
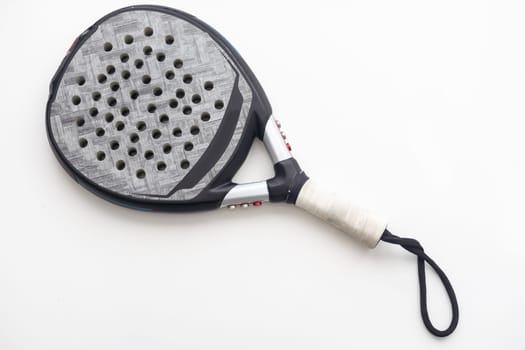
pixel 414 247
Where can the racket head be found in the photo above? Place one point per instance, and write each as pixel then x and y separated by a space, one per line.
pixel 153 109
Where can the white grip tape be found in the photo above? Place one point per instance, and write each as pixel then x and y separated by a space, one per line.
pixel 339 212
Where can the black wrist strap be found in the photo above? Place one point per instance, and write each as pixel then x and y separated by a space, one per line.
pixel 414 247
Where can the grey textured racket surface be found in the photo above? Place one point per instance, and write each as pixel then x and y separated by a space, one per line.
pixel 140 103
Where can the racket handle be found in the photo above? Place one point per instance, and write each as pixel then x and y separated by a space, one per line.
pixel 330 207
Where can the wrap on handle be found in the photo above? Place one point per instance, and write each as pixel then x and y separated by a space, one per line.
pixel 357 222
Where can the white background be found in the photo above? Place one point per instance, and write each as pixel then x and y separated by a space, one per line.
pixel 414 109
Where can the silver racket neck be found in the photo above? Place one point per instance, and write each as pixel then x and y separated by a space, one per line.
pixel 246 194
pixel 258 192
pixel 274 142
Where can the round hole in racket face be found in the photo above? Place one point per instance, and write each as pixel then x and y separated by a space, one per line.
pixel 101 155
pixel 101 78
pixel 140 173
pixel 82 142
pixel 180 93
pixel 161 166
pixel 124 57
pixel 114 86
pixel 134 94
pixel 156 134
pixel 173 103
pixel 75 100
pixel 100 132
pixel 152 108
pixel 157 91
pixel 124 111
pixel 120 165
pixel 132 151
pixel 112 101
pixel 219 104
pixel 166 148
pixel 109 117
pixel 169 39
pixel 146 79
pixel 177 63
pixel 188 146
pixel 186 110
pixel 170 75
pixel 205 116
pixel 128 39
pixel 196 98
pixel 187 78
pixel 96 96
pixel 81 80
pixel 141 126
pixel 134 138
pixel 93 112
pixel 114 145
pixel 138 63
pixel 185 164
pixel 125 74
pixel 164 119
pixel 147 50
pixel 194 130
pixel 148 154
pixel 119 125
pixel 208 85
pixel 110 69
pixel 161 57
pixel 177 132
pixel 80 121
pixel 148 31
pixel 108 47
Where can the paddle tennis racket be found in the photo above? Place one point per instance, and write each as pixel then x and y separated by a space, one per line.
pixel 153 109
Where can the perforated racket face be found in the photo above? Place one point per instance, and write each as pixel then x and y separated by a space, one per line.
pixel 150 106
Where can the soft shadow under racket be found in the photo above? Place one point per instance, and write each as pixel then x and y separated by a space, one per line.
pixel 153 109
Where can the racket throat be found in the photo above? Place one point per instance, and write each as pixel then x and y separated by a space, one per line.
pixel 289 177
pixel 283 187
